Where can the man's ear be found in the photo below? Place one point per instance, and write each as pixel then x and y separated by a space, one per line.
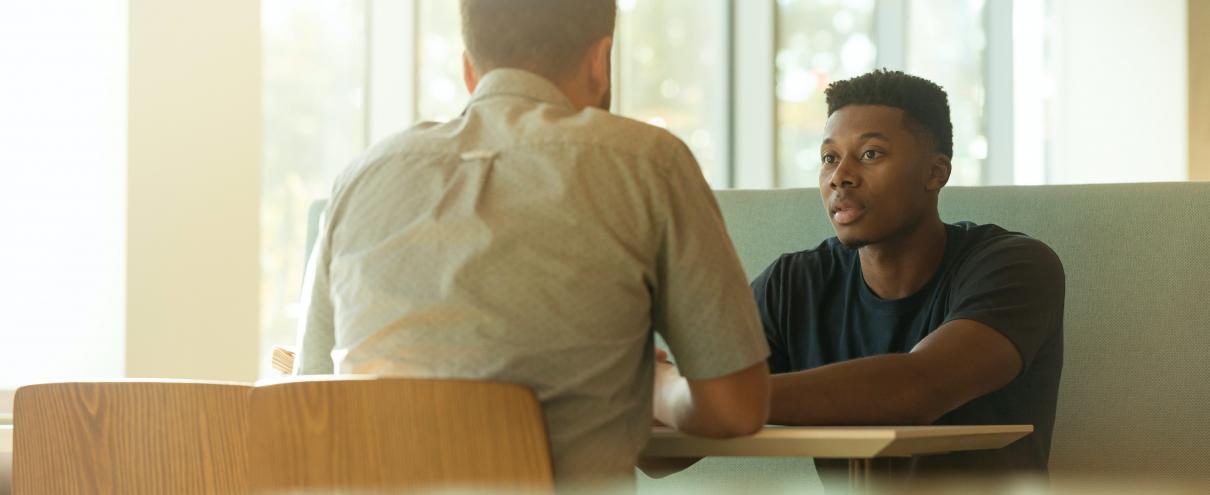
pixel 599 70
pixel 939 172
pixel 468 73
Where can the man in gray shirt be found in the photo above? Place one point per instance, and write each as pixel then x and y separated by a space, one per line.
pixel 538 239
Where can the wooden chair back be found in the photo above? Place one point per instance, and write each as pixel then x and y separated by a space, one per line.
pixel 363 435
pixel 160 436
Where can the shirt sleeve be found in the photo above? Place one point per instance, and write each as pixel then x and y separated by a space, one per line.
pixel 317 331
pixel 767 292
pixel 1016 286
pixel 702 305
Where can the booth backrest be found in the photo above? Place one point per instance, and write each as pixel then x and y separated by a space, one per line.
pixel 1135 394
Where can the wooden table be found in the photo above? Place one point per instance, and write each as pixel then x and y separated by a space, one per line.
pixel 857 444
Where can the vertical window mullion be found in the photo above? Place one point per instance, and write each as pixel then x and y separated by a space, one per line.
pixel 999 84
pixel 754 105
pixel 391 69
pixel 890 34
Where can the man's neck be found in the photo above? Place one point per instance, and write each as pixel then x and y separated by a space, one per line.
pixel 897 268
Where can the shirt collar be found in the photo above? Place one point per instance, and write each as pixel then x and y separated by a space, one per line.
pixel 517 82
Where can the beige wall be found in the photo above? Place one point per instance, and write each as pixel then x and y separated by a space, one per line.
pixel 1199 90
pixel 1120 80
pixel 194 189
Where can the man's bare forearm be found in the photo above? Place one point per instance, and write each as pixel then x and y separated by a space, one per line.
pixel 879 390
pixel 728 406
pixel 960 361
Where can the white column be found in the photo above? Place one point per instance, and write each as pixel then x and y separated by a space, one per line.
pixel 194 189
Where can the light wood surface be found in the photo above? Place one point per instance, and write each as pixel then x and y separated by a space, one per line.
pixel 1199 90
pixel 130 437
pixel 396 434
pixel 839 442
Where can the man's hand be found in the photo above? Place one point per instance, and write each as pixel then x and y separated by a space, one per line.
pixel 665 371
pixel 666 376
pixel 659 467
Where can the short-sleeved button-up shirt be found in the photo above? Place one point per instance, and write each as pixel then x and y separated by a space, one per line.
pixel 530 242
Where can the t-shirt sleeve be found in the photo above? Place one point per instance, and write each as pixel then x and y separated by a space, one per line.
pixel 702 305
pixel 767 291
pixel 1016 286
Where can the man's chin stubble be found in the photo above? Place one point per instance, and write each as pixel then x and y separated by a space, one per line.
pixel 854 244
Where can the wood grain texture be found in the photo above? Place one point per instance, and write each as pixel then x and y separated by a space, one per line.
pixel 396 435
pixel 130 437
pixel 1199 90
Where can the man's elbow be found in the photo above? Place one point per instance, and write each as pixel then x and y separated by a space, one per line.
pixel 734 405
pixel 930 405
pixel 736 423
pixel 750 425
pixel 924 418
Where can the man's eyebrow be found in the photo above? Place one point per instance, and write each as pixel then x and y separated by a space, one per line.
pixel 864 137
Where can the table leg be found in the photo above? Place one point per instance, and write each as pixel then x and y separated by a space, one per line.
pixel 860 472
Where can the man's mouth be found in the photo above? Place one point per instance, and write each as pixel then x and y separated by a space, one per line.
pixel 847 215
pixel 846 212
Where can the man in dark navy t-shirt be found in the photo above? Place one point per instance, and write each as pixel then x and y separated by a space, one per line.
pixel 903 319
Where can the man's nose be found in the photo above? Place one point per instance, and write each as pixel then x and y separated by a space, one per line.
pixel 845 175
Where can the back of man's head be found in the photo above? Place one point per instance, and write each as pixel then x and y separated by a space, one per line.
pixel 546 37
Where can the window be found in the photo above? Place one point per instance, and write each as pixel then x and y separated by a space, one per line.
pixel 441 94
pixel 671 70
pixel 63 159
pixel 314 59
pixel 822 41
pixel 818 42
pixel 955 59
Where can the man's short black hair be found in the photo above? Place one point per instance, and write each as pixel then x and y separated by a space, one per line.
pixel 547 37
pixel 921 100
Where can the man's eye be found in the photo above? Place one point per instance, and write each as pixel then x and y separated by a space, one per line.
pixel 870 154
pixel 829 159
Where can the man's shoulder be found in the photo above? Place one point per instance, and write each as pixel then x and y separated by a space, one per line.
pixel 414 141
pixel 549 129
pixel 613 132
pixel 990 250
pixel 990 241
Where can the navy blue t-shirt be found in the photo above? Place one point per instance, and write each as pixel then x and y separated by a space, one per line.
pixel 817 310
